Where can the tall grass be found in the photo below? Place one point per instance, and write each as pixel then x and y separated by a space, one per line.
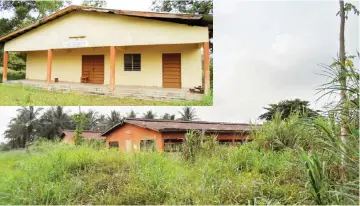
pixel 279 134
pixel 56 173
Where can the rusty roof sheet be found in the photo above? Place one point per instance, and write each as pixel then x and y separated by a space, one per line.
pixel 86 134
pixel 183 126
pixel 190 19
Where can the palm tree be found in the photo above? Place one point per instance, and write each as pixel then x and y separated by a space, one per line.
pixel 22 128
pixel 167 116
pixel 188 114
pixel 53 122
pixel 149 115
pixel 92 120
pixel 113 119
pixel 131 114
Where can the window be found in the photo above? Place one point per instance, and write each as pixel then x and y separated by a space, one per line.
pixel 132 62
pixel 147 145
pixel 113 145
pixel 173 145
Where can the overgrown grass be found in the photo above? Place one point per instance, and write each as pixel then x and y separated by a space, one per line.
pixel 55 173
pixel 13 74
pixel 15 95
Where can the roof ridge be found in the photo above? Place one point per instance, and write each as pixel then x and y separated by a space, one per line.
pixel 184 121
pixel 69 130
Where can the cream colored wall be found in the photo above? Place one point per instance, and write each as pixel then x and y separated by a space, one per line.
pixel 67 64
pixel 106 30
pixel 151 65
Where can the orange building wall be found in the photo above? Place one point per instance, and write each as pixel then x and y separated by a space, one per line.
pixel 135 134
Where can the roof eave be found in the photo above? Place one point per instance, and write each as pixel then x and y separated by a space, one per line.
pixel 151 15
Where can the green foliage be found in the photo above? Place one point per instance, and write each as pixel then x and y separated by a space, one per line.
pixel 149 115
pixel 53 122
pixel 4 147
pixel 168 116
pixel 338 165
pixel 80 121
pixel 64 174
pixel 132 114
pixel 188 6
pixel 113 119
pixel 13 75
pixel 94 3
pixel 315 169
pixel 24 13
pixel 279 134
pixel 188 114
pixel 288 107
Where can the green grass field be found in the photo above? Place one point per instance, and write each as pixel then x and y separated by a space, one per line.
pixel 55 173
pixel 15 95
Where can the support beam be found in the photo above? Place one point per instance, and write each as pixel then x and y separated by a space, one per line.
pixel 5 65
pixel 233 142
pixel 112 67
pixel 206 83
pixel 49 67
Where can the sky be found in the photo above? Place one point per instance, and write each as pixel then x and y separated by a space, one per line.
pixel 265 52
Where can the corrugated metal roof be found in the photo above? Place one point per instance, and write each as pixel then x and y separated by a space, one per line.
pixel 86 134
pixel 190 19
pixel 183 126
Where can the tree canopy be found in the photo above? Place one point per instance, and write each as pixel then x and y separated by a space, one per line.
pixel 288 107
pixel 187 6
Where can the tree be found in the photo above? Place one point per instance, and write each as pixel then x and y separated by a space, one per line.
pixel 149 115
pixel 131 114
pixel 24 14
pixel 53 122
pixel 167 116
pixel 187 6
pixel 188 114
pixel 288 107
pixel 22 128
pixel 343 13
pixel 113 119
pixel 94 3
pixel 80 121
pixel 92 120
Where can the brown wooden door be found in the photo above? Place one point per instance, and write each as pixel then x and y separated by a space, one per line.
pixel 171 70
pixel 93 68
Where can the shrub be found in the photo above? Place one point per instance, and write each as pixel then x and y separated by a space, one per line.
pixel 13 74
pixel 279 134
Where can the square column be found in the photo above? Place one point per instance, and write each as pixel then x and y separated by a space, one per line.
pixel 5 65
pixel 206 84
pixel 49 67
pixel 112 67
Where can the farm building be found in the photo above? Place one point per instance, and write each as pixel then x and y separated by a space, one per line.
pixel 132 134
pixel 114 48
pixel 67 136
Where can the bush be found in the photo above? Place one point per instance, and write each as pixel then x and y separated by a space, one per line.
pixel 13 75
pixel 278 134
pixel 56 173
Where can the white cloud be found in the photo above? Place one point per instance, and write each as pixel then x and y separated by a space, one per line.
pixel 264 52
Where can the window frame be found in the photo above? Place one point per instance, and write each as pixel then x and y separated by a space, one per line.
pixel 133 64
pixel 112 142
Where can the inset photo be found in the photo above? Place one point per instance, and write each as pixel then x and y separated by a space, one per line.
pixel 114 53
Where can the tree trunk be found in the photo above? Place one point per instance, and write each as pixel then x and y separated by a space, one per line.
pixel 343 130
pixel 342 79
